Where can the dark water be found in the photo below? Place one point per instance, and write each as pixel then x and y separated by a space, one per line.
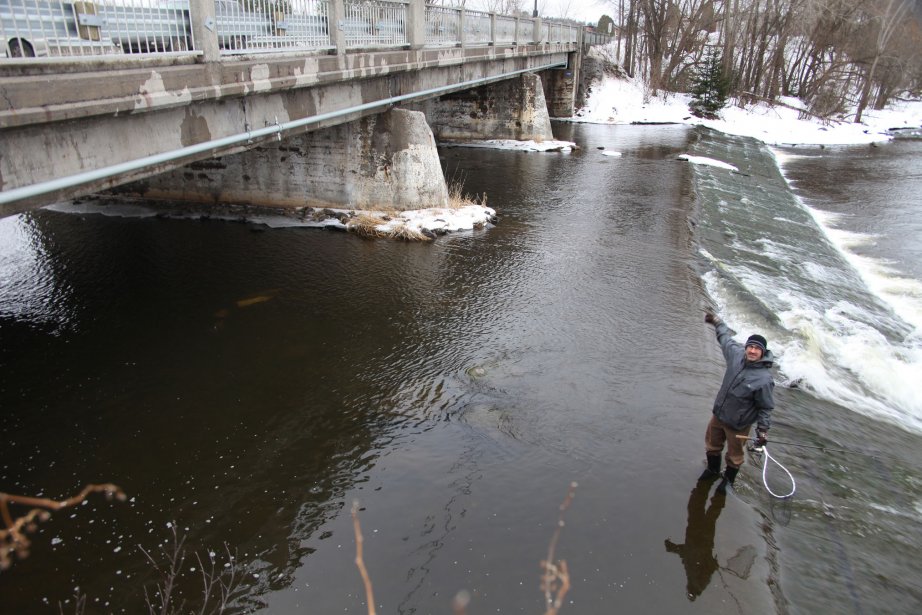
pixel 249 385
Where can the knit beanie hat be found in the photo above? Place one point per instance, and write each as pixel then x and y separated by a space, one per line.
pixel 757 340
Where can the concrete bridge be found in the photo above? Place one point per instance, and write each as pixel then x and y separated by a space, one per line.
pixel 333 115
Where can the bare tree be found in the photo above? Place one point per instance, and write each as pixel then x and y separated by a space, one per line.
pixel 885 21
pixel 502 7
pixel 833 54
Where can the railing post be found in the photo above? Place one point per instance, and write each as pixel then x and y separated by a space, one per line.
pixel 338 25
pixel 538 30
pixel 204 29
pixel 416 24
pixel 463 25
pixel 493 29
pixel 515 37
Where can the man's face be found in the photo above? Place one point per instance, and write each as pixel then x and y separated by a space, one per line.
pixel 753 353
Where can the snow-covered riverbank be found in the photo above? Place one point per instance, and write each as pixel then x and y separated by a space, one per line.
pixel 616 100
pixel 625 101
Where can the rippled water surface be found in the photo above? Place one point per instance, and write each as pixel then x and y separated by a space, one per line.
pixel 250 384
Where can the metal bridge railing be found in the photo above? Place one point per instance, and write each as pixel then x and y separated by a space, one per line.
pixel 253 26
pixel 443 25
pixel 526 31
pixel 59 28
pixel 375 23
pixel 35 28
pixel 505 29
pixel 477 28
pixel 595 38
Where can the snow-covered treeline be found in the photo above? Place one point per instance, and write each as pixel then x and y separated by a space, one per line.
pixel 833 54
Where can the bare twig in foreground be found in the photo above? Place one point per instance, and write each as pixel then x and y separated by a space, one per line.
pixel 359 561
pixel 13 539
pixel 459 604
pixel 162 600
pixel 555 577
pixel 218 583
pixel 79 604
pixel 213 578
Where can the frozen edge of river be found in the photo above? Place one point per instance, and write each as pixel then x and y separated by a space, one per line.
pixel 420 224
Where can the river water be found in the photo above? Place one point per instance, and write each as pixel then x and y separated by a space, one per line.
pixel 245 386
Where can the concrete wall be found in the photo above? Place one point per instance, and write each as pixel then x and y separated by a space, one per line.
pixel 382 161
pixel 511 109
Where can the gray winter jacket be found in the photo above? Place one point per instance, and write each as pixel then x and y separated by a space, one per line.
pixel 745 395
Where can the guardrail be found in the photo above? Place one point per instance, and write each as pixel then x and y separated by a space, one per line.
pixel 591 38
pixel 60 28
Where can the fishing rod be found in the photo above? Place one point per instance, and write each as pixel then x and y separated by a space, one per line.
pixel 825 449
pixel 767 457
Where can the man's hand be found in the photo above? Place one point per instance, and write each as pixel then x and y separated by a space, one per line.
pixel 761 437
pixel 711 318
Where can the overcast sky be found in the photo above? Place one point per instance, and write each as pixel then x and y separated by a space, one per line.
pixel 584 10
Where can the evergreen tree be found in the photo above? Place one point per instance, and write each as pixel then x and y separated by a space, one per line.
pixel 606 25
pixel 711 87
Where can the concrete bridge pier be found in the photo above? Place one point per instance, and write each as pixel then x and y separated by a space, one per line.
pixel 383 161
pixel 560 87
pixel 513 109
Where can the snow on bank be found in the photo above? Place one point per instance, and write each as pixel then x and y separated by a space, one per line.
pixel 624 101
pixel 418 224
pixel 707 161
pixel 522 146
pixel 439 220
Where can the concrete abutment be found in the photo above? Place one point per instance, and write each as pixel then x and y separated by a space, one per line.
pixel 381 161
pixel 513 109
pixel 561 86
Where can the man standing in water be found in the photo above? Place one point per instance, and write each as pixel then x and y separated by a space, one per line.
pixel 745 397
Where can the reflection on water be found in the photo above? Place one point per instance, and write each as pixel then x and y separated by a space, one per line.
pixel 697 552
pixel 31 291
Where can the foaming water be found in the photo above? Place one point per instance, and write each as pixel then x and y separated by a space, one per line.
pixel 843 325
pixel 882 275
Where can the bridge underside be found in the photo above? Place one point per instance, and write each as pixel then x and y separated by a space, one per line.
pixel 144 112
pixel 388 160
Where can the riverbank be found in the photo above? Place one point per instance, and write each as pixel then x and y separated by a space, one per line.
pixel 615 100
pixel 463 214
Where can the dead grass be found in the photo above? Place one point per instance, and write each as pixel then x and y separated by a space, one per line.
pixel 366 225
pixel 457 198
pixel 405 233
pixel 385 210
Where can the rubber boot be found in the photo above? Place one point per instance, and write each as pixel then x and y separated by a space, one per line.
pixel 729 476
pixel 713 469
